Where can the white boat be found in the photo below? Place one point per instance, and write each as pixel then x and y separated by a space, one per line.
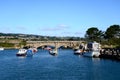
pixel 80 50
pixel 21 52
pixel 53 51
pixel 92 49
pixel 1 48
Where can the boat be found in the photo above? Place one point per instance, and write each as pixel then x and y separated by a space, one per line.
pixel 53 51
pixel 92 49
pixel 21 52
pixel 31 51
pixel 1 48
pixel 80 50
pixel 34 50
pixel 48 48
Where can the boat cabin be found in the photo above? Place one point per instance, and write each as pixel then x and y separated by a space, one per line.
pixel 93 46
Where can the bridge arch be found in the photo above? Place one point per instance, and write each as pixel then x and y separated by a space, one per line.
pixel 57 44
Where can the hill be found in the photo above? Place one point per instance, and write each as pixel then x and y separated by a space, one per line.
pixel 35 37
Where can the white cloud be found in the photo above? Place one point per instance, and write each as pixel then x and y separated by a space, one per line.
pixel 21 28
pixel 56 28
pixel 67 33
pixel 50 29
pixel 5 29
pixel 63 26
pixel 77 33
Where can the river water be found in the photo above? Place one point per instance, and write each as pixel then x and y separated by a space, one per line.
pixel 64 66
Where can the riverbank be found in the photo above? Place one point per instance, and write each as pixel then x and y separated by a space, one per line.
pixel 110 53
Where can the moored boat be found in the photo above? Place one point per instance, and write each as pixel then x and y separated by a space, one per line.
pixel 1 48
pixel 48 48
pixel 21 52
pixel 78 51
pixel 31 51
pixel 53 51
pixel 92 49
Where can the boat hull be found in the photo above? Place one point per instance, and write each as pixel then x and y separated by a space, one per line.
pixel 78 52
pixel 21 54
pixel 1 49
pixel 92 54
pixel 53 52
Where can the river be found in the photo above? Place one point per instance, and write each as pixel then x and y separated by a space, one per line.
pixel 64 66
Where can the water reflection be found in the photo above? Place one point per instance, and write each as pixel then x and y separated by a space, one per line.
pixel 95 59
pixel 21 57
pixel 53 54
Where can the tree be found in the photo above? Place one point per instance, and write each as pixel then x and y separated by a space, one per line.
pixel 113 32
pixel 112 35
pixel 94 34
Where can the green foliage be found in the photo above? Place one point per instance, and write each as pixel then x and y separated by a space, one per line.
pixel 7 44
pixel 110 37
pixel 113 32
pixel 93 34
pixel 117 42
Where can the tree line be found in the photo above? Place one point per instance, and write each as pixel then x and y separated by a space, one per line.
pixel 109 37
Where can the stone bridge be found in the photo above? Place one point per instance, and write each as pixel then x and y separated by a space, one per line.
pixel 57 44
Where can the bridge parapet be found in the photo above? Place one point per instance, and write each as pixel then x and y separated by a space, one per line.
pixel 54 43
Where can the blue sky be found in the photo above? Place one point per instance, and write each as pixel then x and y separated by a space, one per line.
pixel 57 17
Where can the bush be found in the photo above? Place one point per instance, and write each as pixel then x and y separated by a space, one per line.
pixel 6 44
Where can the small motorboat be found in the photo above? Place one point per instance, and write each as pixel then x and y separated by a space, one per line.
pixel 21 52
pixel 53 51
pixel 78 51
pixel 31 51
pixel 92 49
pixel 47 48
pixel 34 50
pixel 1 48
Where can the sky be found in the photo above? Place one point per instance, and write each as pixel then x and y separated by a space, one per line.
pixel 57 17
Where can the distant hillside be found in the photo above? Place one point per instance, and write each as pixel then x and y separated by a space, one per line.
pixel 35 37
pixel 13 34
